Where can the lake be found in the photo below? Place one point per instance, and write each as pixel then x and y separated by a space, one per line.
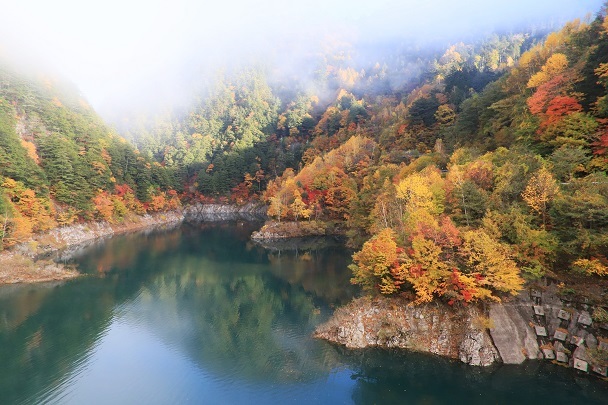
pixel 200 314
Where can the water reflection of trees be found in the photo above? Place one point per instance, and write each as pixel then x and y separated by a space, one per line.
pixel 230 306
pixel 40 344
pixel 243 314
pixel 238 321
pixel 321 272
pixel 47 330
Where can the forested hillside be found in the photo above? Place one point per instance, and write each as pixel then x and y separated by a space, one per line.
pixel 60 163
pixel 251 124
pixel 461 190
pixel 458 173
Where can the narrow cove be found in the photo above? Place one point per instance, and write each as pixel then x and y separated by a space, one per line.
pixel 200 314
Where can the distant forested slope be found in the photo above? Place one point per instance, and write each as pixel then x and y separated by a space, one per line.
pixel 60 163
pixel 459 173
pixel 473 181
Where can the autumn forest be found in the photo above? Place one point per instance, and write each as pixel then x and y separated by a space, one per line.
pixel 485 169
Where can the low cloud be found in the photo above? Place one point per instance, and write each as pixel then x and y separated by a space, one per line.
pixel 123 53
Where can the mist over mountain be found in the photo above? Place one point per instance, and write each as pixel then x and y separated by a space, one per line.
pixel 133 56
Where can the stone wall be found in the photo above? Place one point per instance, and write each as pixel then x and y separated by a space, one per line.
pixel 566 331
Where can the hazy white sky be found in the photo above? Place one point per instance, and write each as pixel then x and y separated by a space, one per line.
pixel 113 49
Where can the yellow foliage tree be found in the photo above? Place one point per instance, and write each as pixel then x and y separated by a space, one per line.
pixel 373 263
pixel 280 195
pixel 590 267
pixel 299 207
pixel 445 115
pixel 31 150
pixel 490 261
pixel 541 189
pixel 19 229
pixel 425 270
pixel 277 208
pixel 556 64
pixel 415 192
pixel 423 190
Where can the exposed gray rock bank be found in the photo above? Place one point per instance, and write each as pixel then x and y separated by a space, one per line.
pixel 536 325
pixel 276 231
pixel 432 328
pixel 79 234
pixel 512 334
pixel 225 212
pixel 29 260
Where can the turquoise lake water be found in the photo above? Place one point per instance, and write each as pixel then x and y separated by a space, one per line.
pixel 200 314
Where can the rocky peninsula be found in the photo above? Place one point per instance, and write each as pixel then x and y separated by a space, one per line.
pixel 542 323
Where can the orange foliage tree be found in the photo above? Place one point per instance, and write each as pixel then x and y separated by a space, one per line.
pixel 104 206
pixel 36 213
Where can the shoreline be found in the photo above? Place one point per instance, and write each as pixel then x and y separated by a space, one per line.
pixel 28 262
pixel 527 327
pixel 538 324
pixel 390 323
pixel 279 231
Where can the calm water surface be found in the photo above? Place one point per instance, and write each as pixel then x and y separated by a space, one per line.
pixel 201 315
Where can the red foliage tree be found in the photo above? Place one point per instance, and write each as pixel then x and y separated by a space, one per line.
pixel 600 147
pixel 557 86
pixel 559 107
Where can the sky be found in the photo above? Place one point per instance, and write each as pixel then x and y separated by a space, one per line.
pixel 128 51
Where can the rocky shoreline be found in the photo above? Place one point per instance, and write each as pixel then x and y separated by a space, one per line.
pixel 225 212
pixel 28 262
pixel 536 325
pixel 391 323
pixel 276 231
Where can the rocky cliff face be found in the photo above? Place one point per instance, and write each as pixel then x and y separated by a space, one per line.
pixel 538 324
pixel 511 333
pixel 432 328
pixel 225 212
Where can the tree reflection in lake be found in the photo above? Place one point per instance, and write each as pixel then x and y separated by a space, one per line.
pixel 200 313
pixel 232 307
pixel 241 310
